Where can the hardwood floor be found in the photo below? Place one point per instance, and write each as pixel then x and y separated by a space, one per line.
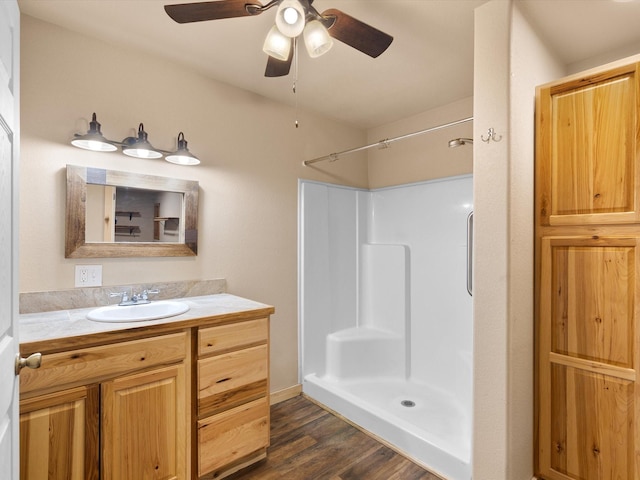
pixel 309 443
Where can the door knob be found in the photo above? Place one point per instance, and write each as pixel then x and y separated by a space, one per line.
pixel 32 361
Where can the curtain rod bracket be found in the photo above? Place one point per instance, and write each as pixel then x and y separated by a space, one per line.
pixel 384 143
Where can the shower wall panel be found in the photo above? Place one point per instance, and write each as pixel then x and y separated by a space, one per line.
pixel 431 219
pixel 328 269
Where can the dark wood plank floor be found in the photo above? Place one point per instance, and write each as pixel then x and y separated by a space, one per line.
pixel 309 443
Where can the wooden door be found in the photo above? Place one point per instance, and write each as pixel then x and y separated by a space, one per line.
pixel 144 426
pixel 59 435
pixel 588 322
pixel 587 149
pixel 9 148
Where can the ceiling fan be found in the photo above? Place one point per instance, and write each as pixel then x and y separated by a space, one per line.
pixel 293 18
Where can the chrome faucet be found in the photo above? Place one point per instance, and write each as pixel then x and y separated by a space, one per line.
pixel 135 299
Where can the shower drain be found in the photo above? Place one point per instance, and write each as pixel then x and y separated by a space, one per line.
pixel 408 403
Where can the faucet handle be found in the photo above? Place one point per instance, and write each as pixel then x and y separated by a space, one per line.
pixel 145 293
pixel 123 295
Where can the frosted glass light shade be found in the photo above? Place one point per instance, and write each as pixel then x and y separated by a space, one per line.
pixel 277 45
pixel 317 39
pixel 290 18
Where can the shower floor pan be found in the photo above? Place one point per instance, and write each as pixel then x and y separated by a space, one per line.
pixel 425 425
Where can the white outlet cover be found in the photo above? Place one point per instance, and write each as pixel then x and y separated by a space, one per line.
pixel 88 276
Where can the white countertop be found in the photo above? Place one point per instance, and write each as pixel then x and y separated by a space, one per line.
pixel 38 327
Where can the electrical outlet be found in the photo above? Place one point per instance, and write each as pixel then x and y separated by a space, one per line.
pixel 88 275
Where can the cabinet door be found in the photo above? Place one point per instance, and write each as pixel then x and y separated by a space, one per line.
pixel 144 426
pixel 588 149
pixel 59 435
pixel 588 358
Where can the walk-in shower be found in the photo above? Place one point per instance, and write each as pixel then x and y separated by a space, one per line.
pixel 385 315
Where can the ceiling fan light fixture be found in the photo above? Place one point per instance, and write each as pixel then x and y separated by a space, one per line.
pixel 317 39
pixel 276 44
pixel 139 147
pixel 290 18
pixel 93 139
pixel 182 156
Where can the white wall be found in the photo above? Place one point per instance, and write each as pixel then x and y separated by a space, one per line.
pixel 503 305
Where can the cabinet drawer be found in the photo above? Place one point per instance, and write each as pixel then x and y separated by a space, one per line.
pixel 232 435
pixel 232 378
pixel 88 365
pixel 223 338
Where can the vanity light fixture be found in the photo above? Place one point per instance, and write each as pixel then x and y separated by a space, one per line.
pixel 93 139
pixel 182 156
pixel 138 147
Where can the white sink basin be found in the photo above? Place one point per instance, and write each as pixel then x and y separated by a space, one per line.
pixel 138 313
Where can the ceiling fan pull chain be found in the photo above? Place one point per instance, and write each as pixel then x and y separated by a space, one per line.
pixel 295 77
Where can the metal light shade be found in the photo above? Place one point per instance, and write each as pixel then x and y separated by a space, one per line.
pixel 290 18
pixel 182 156
pixel 93 139
pixel 139 147
pixel 277 45
pixel 317 39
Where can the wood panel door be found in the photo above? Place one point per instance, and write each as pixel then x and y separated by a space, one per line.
pixel 59 435
pixel 588 358
pixel 144 426
pixel 588 147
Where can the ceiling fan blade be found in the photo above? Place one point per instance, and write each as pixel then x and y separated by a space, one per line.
pixel 199 12
pixel 357 34
pixel 279 68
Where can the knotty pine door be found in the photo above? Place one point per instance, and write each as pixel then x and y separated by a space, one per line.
pixel 587 266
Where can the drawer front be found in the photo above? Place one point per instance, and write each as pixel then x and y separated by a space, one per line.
pixel 232 378
pixel 95 364
pixel 232 435
pixel 215 340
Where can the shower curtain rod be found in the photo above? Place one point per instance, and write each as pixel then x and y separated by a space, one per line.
pixel 384 143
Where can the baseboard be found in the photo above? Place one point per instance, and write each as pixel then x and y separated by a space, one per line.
pixel 285 394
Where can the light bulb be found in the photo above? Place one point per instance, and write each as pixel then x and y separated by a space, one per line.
pixel 290 15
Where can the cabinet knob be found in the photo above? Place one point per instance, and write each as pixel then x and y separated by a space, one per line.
pixel 32 361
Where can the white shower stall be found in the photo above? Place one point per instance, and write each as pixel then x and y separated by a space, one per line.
pixel 386 313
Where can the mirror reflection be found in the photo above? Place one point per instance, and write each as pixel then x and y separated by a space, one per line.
pixel 111 213
pixel 128 214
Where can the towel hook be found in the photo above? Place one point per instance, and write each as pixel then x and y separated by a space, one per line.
pixel 491 135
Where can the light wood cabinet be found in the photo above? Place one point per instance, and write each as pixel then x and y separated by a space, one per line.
pixel 59 435
pixel 144 424
pixel 233 401
pixel 186 402
pixel 134 391
pixel 587 285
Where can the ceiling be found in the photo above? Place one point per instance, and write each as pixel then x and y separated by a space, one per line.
pixel 429 63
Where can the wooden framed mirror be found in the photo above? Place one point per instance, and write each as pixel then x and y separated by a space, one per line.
pixel 120 214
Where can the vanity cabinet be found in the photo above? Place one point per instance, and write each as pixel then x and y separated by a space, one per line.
pixel 233 396
pixel 181 400
pixel 116 411
pixel 587 266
